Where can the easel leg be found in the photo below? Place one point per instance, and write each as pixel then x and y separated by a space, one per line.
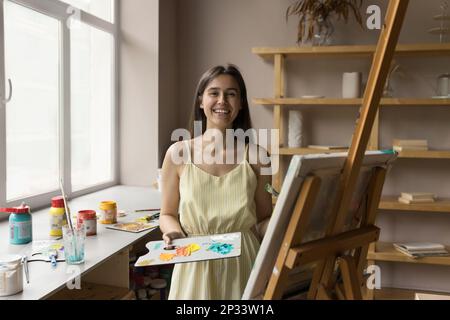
pixel 294 234
pixel 350 278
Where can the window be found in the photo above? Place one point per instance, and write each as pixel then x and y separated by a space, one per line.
pixel 103 9
pixel 92 68
pixel 60 121
pixel 32 135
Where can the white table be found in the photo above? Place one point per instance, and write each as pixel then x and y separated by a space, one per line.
pixel 106 254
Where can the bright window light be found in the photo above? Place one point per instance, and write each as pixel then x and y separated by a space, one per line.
pixel 32 59
pixel 92 75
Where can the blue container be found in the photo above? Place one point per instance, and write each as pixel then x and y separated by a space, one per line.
pixel 20 225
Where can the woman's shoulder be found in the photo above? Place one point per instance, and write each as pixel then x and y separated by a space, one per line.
pixel 178 152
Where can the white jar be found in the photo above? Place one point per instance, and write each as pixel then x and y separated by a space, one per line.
pixel 11 275
pixel 351 85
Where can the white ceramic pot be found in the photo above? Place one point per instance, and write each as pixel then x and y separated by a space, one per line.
pixel 11 275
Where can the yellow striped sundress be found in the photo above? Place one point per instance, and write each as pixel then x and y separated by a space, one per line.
pixel 216 205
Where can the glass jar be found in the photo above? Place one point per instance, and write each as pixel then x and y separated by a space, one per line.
pixel 89 219
pixel 20 225
pixel 108 212
pixel 57 216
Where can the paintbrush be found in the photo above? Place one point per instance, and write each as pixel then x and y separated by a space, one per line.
pixel 66 206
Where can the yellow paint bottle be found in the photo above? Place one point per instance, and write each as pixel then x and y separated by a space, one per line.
pixel 108 212
pixel 57 217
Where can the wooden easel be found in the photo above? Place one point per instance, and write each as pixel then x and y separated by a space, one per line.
pixel 345 251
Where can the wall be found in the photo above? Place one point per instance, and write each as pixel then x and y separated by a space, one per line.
pixel 211 32
pixel 139 87
pixel 168 74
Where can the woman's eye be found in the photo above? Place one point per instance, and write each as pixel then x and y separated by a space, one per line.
pixel 213 94
pixel 231 94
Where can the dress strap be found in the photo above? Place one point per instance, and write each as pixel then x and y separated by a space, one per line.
pixel 187 149
pixel 247 147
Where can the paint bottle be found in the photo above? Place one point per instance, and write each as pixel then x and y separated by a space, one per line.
pixel 89 218
pixel 108 212
pixel 57 217
pixel 20 224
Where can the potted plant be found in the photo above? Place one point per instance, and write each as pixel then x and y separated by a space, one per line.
pixel 315 17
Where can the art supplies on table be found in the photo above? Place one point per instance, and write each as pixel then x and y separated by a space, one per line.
pixel 89 219
pixel 20 224
pixel 57 216
pixel 108 212
pixel 213 247
pixel 12 268
pixel 51 251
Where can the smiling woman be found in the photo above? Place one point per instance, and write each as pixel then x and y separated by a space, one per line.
pixel 214 197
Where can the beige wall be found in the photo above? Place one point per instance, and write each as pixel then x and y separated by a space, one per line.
pixel 211 32
pixel 168 75
pixel 139 91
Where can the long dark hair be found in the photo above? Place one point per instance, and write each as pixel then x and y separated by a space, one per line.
pixel 242 120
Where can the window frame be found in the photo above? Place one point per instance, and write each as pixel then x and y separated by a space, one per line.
pixel 58 10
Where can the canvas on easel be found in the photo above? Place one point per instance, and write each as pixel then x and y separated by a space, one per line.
pixel 328 168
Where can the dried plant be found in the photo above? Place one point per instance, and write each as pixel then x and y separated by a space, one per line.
pixel 312 11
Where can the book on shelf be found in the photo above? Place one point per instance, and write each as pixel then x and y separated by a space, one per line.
pixel 409 148
pixel 408 201
pixel 421 249
pixel 410 143
pixel 327 147
pixel 417 195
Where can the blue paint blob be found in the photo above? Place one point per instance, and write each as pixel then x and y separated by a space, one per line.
pixel 221 248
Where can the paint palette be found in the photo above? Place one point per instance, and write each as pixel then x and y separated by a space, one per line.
pixel 221 246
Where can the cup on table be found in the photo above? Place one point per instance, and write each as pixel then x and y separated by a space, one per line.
pixel 74 243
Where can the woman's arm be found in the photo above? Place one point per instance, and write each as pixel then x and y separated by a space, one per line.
pixel 263 199
pixel 169 223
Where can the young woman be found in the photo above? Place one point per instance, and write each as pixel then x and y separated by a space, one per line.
pixel 215 197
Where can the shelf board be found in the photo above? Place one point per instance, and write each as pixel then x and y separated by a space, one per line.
pixel 352 50
pixel 391 203
pixel 428 154
pixel 388 102
pixel 305 151
pixel 402 294
pixel 385 251
pixel 410 154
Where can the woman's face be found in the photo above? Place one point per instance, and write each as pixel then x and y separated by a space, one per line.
pixel 221 102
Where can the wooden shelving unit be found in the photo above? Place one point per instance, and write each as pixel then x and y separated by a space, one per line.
pixel 281 103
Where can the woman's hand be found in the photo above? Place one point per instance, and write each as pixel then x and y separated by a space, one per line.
pixel 168 237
